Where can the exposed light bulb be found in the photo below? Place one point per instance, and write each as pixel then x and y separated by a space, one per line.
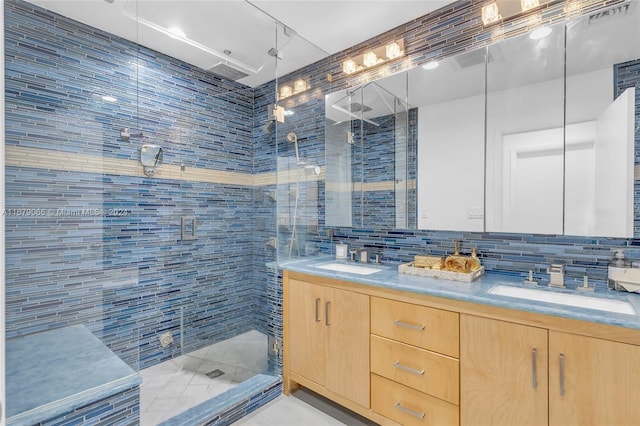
pixel 349 66
pixel 529 4
pixel 285 91
pixel 490 13
pixel 370 59
pixel 393 50
pixel 299 85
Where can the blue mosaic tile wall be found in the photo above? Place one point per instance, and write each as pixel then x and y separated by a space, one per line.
pixel 122 409
pixel 128 277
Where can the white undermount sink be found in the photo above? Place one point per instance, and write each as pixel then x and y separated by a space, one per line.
pixel 352 269
pixel 609 305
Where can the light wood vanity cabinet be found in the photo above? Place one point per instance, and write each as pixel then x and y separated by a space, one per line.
pixel 508 376
pixel 411 359
pixel 593 381
pixel 503 370
pixel 327 336
pixel 415 371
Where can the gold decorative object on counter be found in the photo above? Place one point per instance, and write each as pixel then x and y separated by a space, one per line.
pixel 454 267
pixel 429 262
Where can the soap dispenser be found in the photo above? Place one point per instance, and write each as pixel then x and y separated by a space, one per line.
pixel 616 267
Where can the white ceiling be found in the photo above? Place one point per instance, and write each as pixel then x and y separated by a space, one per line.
pixel 246 28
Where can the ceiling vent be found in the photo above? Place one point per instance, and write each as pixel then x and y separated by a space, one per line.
pixel 227 71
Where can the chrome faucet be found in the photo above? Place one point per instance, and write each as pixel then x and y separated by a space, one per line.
pixel 556 275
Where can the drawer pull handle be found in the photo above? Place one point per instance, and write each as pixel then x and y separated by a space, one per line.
pixel 318 309
pixel 409 411
pixel 409 326
pixel 408 369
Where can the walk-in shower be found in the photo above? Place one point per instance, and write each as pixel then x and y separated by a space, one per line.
pixel 97 249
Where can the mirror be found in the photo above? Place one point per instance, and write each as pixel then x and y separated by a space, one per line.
pixel 367 159
pixel 524 133
pixel 533 134
pixel 450 107
pixel 602 63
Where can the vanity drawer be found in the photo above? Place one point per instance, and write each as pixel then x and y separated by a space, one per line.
pixel 427 328
pixel 408 406
pixel 428 372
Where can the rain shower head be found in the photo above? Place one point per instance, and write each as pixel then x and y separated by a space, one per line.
pixel 227 71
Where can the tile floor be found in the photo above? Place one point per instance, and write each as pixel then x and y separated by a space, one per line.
pixel 174 386
pixel 303 408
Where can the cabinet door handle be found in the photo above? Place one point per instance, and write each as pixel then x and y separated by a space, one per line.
pixel 326 313
pixel 397 365
pixel 409 326
pixel 409 411
pixel 534 368
pixel 561 360
pixel 318 309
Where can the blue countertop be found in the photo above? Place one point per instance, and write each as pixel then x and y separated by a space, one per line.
pixel 475 292
pixel 57 371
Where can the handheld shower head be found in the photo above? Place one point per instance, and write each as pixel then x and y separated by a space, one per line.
pixel 292 137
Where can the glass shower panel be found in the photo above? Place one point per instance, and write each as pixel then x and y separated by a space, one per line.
pixel 300 149
pixel 72 218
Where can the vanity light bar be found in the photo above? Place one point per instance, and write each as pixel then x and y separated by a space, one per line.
pixel 374 57
pixel 290 89
pixel 498 10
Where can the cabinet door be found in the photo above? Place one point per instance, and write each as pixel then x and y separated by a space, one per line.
pixel 307 330
pixel 592 381
pixel 347 350
pixel 503 373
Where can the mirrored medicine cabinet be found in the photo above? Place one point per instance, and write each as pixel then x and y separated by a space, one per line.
pixel 532 134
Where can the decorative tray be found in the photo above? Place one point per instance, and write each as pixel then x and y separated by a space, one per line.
pixel 408 268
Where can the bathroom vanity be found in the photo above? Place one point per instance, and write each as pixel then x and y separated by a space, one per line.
pixel 411 350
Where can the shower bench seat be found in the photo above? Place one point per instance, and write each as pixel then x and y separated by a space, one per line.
pixel 68 375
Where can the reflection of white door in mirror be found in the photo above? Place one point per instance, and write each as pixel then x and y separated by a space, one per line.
pixel 614 167
pixel 531 180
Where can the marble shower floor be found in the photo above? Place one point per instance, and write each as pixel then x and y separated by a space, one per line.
pixel 176 385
